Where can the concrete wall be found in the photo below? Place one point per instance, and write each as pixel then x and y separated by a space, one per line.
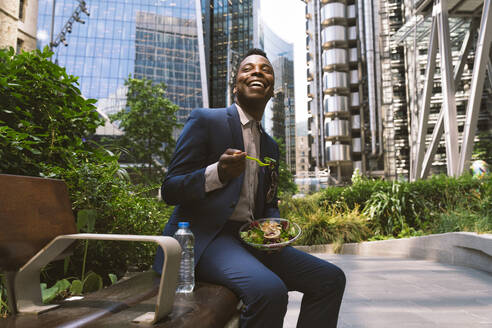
pixel 8 23
pixel 12 28
pixel 457 248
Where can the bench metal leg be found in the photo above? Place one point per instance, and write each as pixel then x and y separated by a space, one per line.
pixel 27 290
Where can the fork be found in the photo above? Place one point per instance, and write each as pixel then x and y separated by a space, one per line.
pixel 260 163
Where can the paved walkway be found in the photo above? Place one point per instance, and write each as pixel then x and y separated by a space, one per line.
pixel 387 292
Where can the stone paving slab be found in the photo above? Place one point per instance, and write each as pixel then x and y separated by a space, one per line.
pixel 394 292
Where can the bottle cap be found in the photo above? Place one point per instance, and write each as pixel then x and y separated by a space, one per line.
pixel 183 224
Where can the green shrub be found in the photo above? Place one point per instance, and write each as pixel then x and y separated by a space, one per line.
pixel 121 208
pixel 44 124
pixel 334 226
pixel 43 116
pixel 4 309
pixel 321 226
pixel 392 211
pixel 355 195
pixel 463 219
pixel 470 208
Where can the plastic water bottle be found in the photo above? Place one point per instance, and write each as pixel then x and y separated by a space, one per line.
pixel 186 276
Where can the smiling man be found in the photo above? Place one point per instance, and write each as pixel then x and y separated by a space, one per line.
pixel 217 190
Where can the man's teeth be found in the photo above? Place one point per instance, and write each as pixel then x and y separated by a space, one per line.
pixel 256 83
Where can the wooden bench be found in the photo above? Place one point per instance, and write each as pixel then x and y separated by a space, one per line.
pixel 36 227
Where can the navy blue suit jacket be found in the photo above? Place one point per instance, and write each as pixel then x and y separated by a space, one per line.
pixel 205 137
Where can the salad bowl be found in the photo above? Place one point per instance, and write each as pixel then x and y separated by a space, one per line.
pixel 269 234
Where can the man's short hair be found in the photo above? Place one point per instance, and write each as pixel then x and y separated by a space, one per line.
pixel 253 51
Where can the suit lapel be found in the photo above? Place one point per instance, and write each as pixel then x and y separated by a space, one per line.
pixel 235 126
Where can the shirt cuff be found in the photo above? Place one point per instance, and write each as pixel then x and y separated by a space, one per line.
pixel 212 181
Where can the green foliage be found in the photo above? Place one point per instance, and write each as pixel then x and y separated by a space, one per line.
pixel 44 122
pixel 286 184
pixel 121 208
pixel 482 149
pixel 148 125
pixel 77 287
pixel 335 226
pixel 43 116
pixel 91 283
pixel 113 278
pixel 59 289
pixel 392 209
pixel 462 219
pixel 63 288
pixel 4 309
pixel 322 226
pixel 86 220
pixel 355 195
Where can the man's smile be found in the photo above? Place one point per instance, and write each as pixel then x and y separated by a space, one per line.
pixel 256 83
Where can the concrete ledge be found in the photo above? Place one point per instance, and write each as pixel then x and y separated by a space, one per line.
pixel 456 248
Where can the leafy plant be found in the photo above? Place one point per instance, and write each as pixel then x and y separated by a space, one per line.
pixel 43 116
pixel 392 211
pixel 86 220
pixel 121 207
pixel 59 289
pixel 4 308
pixel 63 288
pixel 286 184
pixel 323 226
pixel 148 125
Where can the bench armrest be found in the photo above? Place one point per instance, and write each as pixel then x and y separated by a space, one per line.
pixel 27 290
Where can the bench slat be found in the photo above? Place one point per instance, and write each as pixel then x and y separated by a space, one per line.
pixel 116 306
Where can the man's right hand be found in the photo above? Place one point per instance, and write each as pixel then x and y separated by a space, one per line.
pixel 231 164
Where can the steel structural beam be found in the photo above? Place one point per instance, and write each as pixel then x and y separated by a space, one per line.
pixel 423 168
pixel 478 77
pixel 447 86
pixel 426 96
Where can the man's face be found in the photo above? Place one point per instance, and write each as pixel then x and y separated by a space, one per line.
pixel 255 80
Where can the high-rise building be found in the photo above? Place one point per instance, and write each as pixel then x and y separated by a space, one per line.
pixel 279 119
pixel 167 50
pixel 337 84
pixel 18 20
pixel 376 88
pixel 158 40
pixel 443 50
pixel 231 28
pixel 192 46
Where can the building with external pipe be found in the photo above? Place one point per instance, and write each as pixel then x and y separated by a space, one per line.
pixel 380 101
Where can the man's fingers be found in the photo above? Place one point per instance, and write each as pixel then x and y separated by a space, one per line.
pixel 230 151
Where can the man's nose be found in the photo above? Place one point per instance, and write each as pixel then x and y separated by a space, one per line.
pixel 257 70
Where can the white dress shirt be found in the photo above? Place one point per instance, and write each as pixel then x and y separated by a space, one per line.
pixel 251 137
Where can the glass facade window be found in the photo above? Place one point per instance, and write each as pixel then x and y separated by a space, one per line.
pixel 158 40
pixel 279 118
pixel 229 28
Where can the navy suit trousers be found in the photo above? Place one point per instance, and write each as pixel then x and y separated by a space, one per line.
pixel 262 280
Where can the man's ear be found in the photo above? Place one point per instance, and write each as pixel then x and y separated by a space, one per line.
pixel 234 90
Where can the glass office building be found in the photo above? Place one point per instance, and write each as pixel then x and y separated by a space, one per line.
pixel 279 119
pixel 158 40
pixel 231 28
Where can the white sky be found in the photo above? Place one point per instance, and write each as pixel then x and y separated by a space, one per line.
pixel 287 19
